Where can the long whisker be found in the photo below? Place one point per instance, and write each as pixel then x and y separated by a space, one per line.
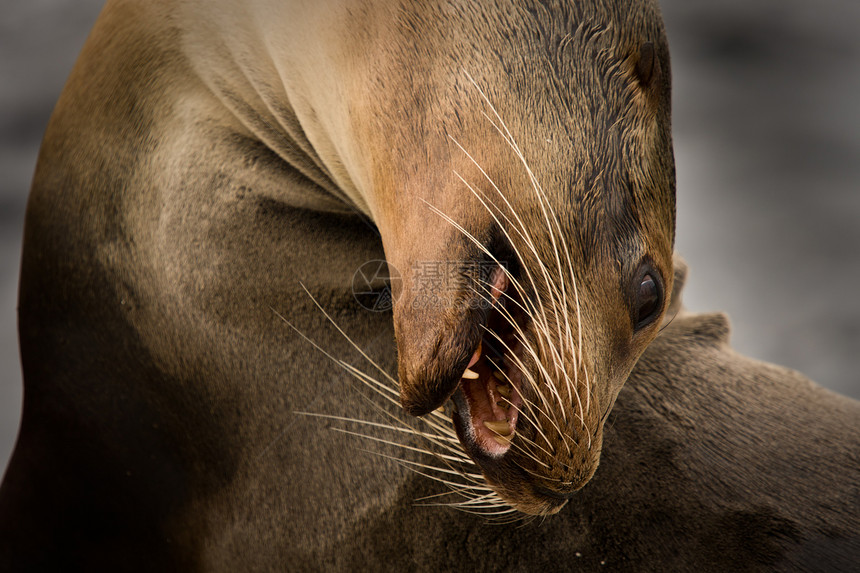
pixel 550 342
pixel 538 362
pixel 522 338
pixel 519 227
pixel 534 315
pixel 439 435
pixel 552 222
pixel 508 137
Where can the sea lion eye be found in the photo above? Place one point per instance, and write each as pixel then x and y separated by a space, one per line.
pixel 648 299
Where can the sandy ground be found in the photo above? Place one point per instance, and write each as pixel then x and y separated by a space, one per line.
pixel 767 142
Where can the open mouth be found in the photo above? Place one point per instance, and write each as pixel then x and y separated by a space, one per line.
pixel 489 398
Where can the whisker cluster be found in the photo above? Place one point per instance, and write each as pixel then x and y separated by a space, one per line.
pixel 553 333
pixel 432 448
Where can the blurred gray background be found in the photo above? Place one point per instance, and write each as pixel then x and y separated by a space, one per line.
pixel 767 142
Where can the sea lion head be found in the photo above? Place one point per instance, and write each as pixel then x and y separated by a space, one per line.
pixel 523 185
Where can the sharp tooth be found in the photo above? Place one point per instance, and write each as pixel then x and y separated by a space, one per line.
pixel 504 405
pixel 470 374
pixel 501 427
pixel 499 376
pixel 503 440
pixel 504 390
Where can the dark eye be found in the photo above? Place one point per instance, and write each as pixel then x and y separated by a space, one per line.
pixel 648 299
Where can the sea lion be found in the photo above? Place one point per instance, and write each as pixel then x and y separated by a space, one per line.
pixel 196 159
pixel 214 170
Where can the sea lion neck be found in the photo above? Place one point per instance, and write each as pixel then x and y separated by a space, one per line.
pixel 277 73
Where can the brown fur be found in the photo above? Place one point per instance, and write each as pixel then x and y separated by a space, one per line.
pixel 563 81
pixel 193 126
pixel 191 181
pixel 712 462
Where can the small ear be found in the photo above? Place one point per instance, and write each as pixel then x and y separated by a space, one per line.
pixel 646 64
pixel 675 302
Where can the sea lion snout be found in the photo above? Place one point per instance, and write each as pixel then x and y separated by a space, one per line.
pixel 431 364
pixel 440 319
